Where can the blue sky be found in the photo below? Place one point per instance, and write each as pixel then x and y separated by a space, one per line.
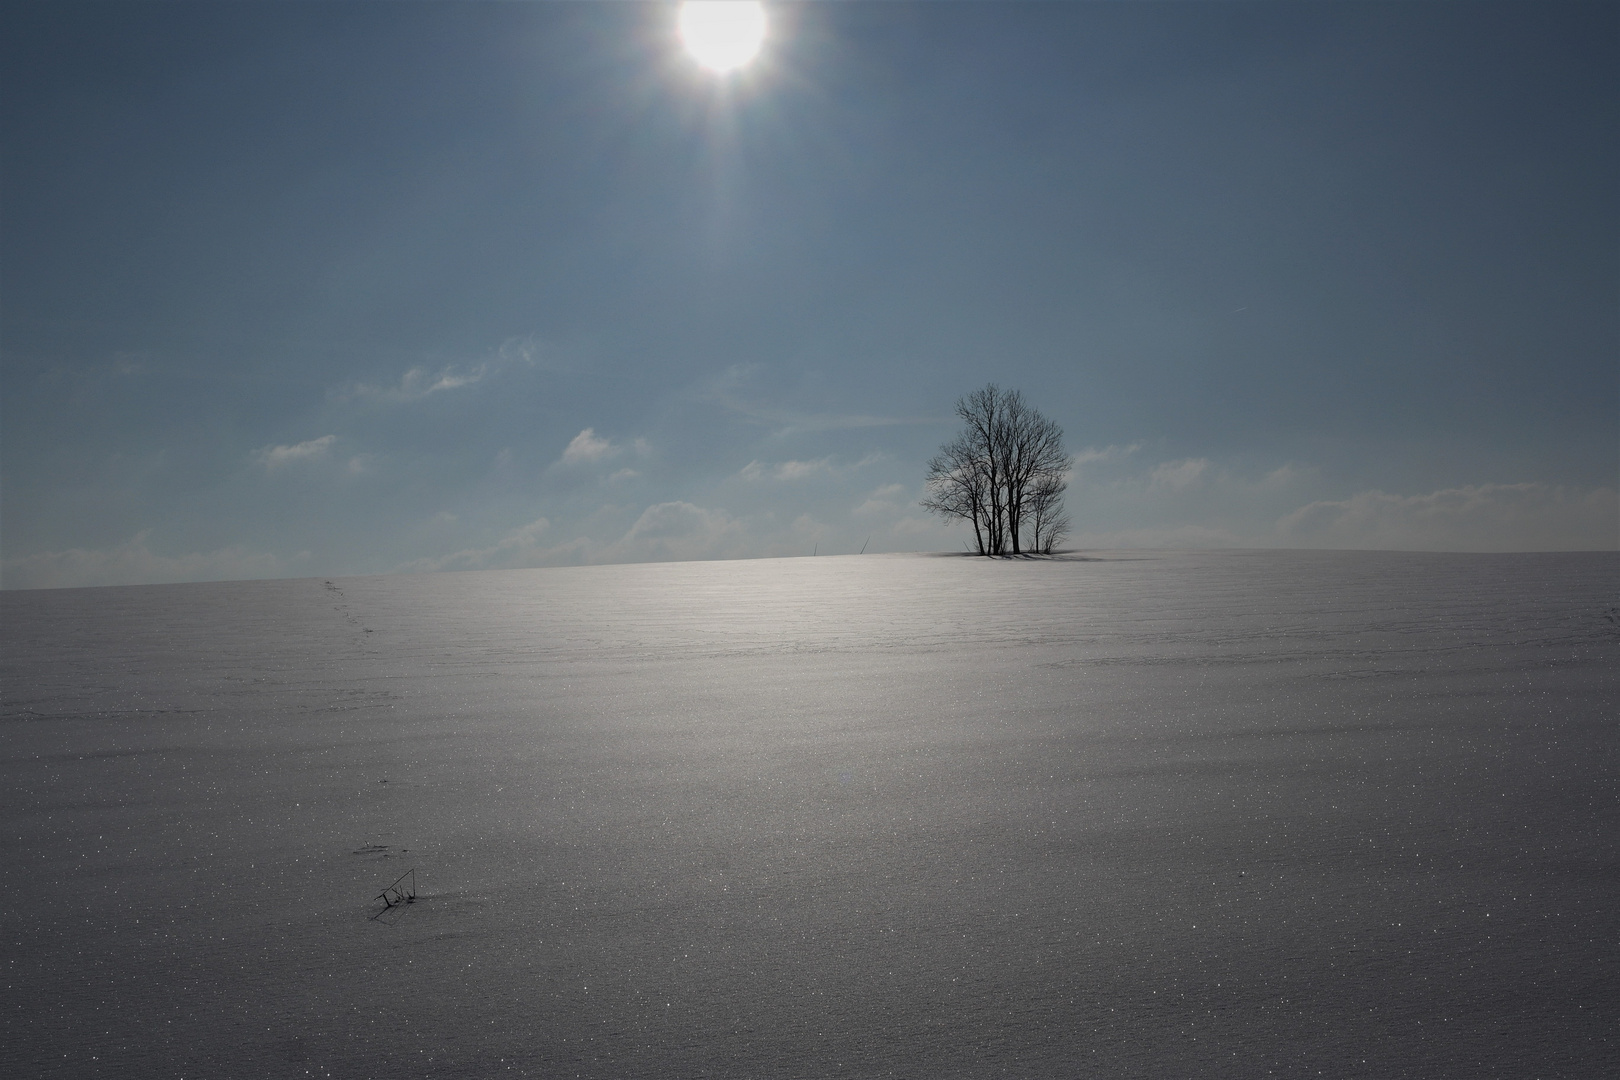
pixel 316 289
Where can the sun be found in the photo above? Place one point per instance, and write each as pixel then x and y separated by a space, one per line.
pixel 722 35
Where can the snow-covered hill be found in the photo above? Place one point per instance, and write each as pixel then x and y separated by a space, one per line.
pixel 1155 814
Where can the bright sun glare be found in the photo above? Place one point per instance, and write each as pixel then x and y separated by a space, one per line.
pixel 722 35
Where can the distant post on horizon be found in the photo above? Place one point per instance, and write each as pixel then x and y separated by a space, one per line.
pixel 1005 473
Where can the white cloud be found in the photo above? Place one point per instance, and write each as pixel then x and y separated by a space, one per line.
pixel 1486 517
pixel 420 382
pixel 1092 454
pixel 623 474
pixel 789 471
pixel 133 563
pixel 884 500
pixel 274 458
pixel 1177 475
pixel 587 447
pixel 806 526
pixel 679 530
pixel 786 470
pixel 803 470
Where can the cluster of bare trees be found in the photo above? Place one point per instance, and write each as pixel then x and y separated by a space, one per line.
pixel 1004 473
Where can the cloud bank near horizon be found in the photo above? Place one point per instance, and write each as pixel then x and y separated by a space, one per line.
pixel 1132 505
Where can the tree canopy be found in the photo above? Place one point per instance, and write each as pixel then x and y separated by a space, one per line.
pixel 1004 473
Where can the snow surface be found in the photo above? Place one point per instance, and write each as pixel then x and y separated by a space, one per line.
pixel 1204 814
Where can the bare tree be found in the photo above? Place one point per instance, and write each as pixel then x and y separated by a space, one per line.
pixel 1004 470
pixel 1046 517
pixel 979 446
pixel 959 487
pixel 1032 455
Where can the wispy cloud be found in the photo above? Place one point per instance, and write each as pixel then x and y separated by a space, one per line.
pixel 1177 475
pixel 1120 485
pixel 1484 517
pixel 1101 461
pixel 888 499
pixel 1107 453
pixel 790 471
pixel 420 382
pixel 786 470
pixel 275 458
pixel 520 547
pixel 1284 476
pixel 679 530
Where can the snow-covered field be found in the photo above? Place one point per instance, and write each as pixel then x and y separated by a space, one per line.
pixel 1158 815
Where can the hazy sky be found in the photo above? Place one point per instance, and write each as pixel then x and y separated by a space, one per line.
pixel 323 288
